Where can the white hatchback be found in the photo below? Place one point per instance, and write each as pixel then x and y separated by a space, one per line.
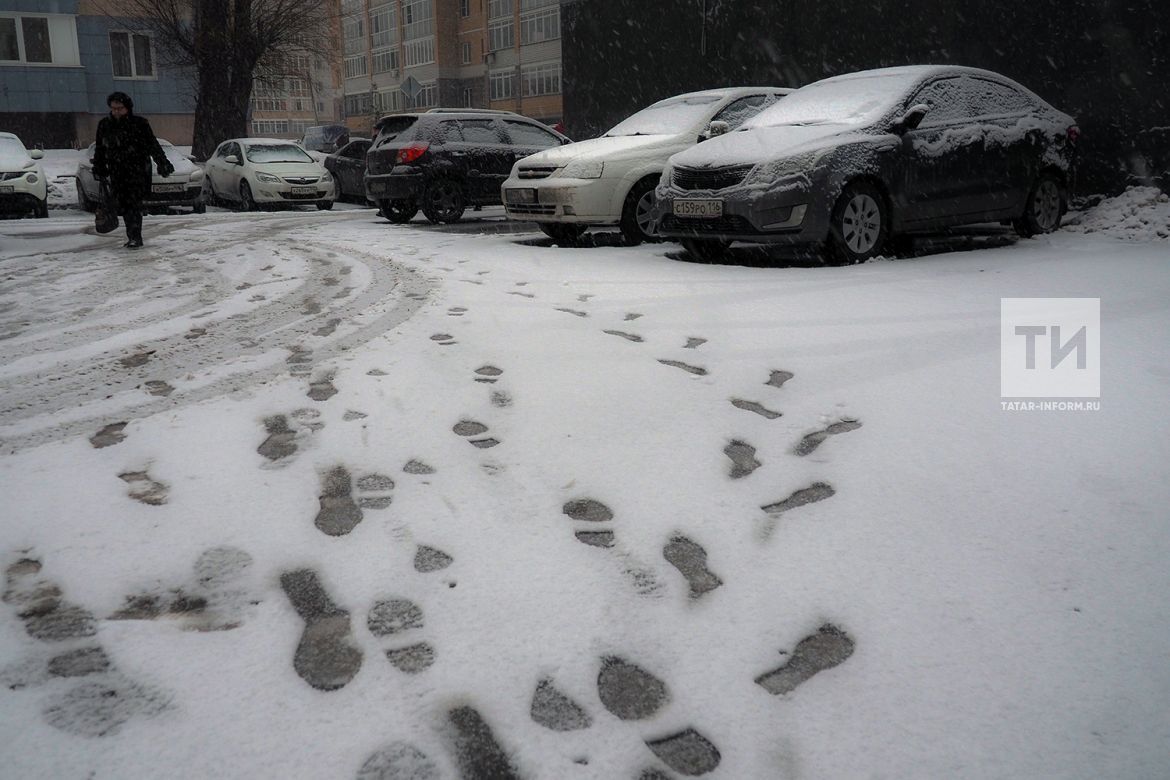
pixel 22 182
pixel 610 180
pixel 255 172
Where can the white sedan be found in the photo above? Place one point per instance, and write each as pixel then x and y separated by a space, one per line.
pixel 22 182
pixel 610 180
pixel 256 172
pixel 184 187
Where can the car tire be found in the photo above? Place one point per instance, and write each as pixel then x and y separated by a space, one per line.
pixel 83 201
pixel 859 225
pixel 199 207
pixel 637 223
pixel 41 211
pixel 247 202
pixel 398 211
pixel 563 235
pixel 443 200
pixel 324 205
pixel 1043 209
pixel 705 250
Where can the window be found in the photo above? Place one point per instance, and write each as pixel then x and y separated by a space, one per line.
pixel 419 52
pixel 132 55
pixel 543 79
pixel 739 111
pixel 384 26
pixel 298 126
pixel 38 40
pixel 465 48
pixel 388 101
pixel 501 34
pixel 499 8
pixel 502 84
pixel 419 16
pixel 947 99
pixel 468 97
pixel 480 131
pixel 990 98
pixel 268 104
pixel 355 66
pixel 358 105
pixel 386 61
pixel 428 97
pixel 465 8
pixel 524 134
pixel 354 34
pixel 270 127
pixel 541 25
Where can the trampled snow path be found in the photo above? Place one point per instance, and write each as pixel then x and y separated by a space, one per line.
pixel 223 311
pixel 587 513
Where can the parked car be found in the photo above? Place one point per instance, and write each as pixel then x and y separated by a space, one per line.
pixel 256 172
pixel 326 139
pixel 853 160
pixel 610 180
pixel 184 187
pixel 445 160
pixel 22 182
pixel 348 166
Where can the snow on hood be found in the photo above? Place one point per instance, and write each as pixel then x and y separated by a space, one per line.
pixel 762 144
pixel 312 168
pixel 606 148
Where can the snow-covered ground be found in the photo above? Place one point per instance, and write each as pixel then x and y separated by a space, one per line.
pixel 310 495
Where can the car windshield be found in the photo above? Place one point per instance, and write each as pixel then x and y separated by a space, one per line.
pixel 174 155
pixel 11 147
pixel 666 117
pixel 853 101
pixel 274 153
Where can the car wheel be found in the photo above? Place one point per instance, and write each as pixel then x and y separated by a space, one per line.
pixel 637 223
pixel 247 202
pixel 1043 209
pixel 324 205
pixel 83 201
pixel 398 211
pixel 42 210
pixel 705 250
pixel 444 201
pixel 199 207
pixel 565 235
pixel 859 225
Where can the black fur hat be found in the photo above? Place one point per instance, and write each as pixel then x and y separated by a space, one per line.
pixel 121 97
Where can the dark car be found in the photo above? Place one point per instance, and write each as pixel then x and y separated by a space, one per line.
pixel 850 161
pixel 325 138
pixel 348 166
pixel 443 161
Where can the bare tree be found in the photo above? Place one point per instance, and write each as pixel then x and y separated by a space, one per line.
pixel 226 44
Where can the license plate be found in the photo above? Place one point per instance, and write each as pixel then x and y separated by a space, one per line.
pixel 520 195
pixel 167 188
pixel 698 209
pixel 304 190
pixel 376 186
pixel 7 189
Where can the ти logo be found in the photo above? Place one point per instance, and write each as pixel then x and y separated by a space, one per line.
pixel 1050 347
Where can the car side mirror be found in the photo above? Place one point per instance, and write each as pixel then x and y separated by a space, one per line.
pixel 231 158
pixel 717 128
pixel 36 154
pixel 911 119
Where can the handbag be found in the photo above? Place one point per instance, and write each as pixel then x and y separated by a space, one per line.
pixel 105 214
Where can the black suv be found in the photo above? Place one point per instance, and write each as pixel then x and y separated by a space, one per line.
pixel 445 160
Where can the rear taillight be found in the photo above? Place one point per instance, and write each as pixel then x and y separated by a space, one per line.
pixel 1073 134
pixel 411 152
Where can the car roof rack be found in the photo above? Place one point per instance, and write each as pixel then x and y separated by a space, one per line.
pixel 470 111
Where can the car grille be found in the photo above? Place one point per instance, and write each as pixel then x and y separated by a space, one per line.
pixel 301 179
pixel 306 196
pixel 536 173
pixel 710 178
pixel 166 197
pixel 12 175
pixel 728 224
pixel 530 208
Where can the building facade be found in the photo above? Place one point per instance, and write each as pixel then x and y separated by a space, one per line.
pixel 60 59
pixel 408 55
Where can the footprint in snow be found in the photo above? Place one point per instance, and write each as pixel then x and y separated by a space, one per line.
pixel 444 339
pixel 401 619
pixel 813 440
pixel 594 529
pixel 778 378
pixel 321 388
pixel 627 336
pixel 753 406
pixel 339 513
pixel 473 431
pixel 327 657
pixel 828 647
pixel 743 459
pixel 696 370
pixel 109 435
pixel 145 489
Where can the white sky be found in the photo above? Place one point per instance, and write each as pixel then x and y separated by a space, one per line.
pixel 1002 574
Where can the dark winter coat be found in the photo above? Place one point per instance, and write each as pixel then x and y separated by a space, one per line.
pixel 123 152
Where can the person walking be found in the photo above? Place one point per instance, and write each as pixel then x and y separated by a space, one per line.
pixel 125 147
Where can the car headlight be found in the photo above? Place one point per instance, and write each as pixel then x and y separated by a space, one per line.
pixel 583 169
pixel 268 177
pixel 786 168
pixel 327 177
pixel 196 175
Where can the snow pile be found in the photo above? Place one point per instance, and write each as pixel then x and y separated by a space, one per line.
pixel 1138 214
pixel 60 167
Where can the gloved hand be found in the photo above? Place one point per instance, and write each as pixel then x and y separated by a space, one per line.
pixel 166 169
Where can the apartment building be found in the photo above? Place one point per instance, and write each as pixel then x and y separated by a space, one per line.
pixel 59 59
pixel 304 91
pixel 408 55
